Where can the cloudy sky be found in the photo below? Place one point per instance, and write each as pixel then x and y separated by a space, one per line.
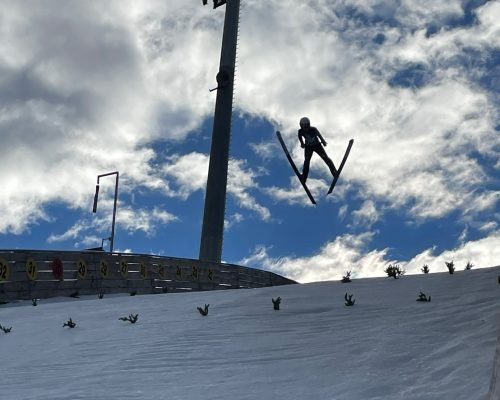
pixel 89 87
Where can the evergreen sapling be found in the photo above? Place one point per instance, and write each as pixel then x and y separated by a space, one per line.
pixel 276 303
pixel 204 311
pixel 70 323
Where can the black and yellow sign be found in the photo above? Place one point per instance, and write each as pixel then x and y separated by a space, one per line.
pixel 195 273
pixel 211 274
pixel 31 269
pixel 162 272
pixel 81 269
pixel 124 268
pixel 103 268
pixel 143 270
pixel 178 273
pixel 4 270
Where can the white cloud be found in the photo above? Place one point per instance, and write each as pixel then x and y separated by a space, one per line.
pixel 294 194
pixel 90 232
pixel 489 226
pixel 349 253
pixel 463 236
pixel 144 220
pixel 190 171
pixel 346 253
pixel 367 215
pixel 482 253
pixel 240 181
pixel 343 211
pixel 71 233
pixel 265 150
pixel 89 241
pixel 232 220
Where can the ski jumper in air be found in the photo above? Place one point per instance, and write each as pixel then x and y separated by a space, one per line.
pixel 312 141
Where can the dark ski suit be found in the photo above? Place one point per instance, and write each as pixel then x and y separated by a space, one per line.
pixel 310 139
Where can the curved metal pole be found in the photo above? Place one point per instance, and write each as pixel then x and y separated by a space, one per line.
pixel 112 238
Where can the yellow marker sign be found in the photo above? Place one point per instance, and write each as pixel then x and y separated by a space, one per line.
pixel 81 269
pixel 31 269
pixel 103 268
pixel 4 270
pixel 178 273
pixel 143 270
pixel 124 268
pixel 162 272
pixel 211 274
pixel 195 273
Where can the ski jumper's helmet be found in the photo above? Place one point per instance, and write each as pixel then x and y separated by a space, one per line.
pixel 304 121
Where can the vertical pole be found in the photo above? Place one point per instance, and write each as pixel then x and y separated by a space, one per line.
pixel 215 197
pixel 114 215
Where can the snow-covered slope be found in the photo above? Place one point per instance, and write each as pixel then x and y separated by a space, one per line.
pixel 387 346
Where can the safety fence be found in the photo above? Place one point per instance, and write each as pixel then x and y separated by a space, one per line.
pixel 35 274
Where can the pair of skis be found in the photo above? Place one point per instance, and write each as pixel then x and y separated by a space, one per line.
pixel 339 170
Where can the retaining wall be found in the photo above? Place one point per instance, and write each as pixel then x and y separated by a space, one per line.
pixel 28 274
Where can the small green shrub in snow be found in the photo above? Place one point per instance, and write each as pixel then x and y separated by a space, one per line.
pixel 131 318
pixel 450 266
pixel 394 271
pixel 423 297
pixel 347 277
pixel 276 303
pixel 70 323
pixel 348 300
pixel 204 311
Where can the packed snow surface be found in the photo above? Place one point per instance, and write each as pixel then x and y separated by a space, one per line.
pixel 386 346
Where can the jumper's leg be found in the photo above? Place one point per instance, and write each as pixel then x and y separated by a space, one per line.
pixel 322 153
pixel 308 152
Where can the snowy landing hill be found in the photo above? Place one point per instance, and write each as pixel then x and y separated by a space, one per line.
pixel 386 346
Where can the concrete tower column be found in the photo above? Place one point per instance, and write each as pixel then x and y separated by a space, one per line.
pixel 215 197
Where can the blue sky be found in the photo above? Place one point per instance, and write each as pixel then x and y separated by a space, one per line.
pixel 87 88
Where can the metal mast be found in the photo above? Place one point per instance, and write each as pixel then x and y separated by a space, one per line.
pixel 215 197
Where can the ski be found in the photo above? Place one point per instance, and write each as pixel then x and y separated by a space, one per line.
pixel 346 154
pixel 294 167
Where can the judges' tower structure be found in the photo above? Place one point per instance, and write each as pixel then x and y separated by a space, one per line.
pixel 215 197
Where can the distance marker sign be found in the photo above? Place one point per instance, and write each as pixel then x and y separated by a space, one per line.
pixel 31 269
pixel 103 268
pixel 81 268
pixel 4 270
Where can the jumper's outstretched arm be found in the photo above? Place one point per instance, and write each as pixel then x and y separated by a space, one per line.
pixel 321 138
pixel 301 140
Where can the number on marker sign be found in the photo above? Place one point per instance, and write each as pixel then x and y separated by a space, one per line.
pixel 103 268
pixel 4 270
pixel 124 268
pixel 81 269
pixel 31 269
